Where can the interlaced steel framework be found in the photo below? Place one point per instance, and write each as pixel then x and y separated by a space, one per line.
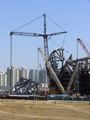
pixel 26 87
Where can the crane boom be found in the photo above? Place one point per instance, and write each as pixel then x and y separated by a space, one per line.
pixel 52 73
pixel 26 34
pixel 57 33
pixel 83 47
pixel 45 36
pixel 36 34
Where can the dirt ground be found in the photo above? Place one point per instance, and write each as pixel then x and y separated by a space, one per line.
pixel 44 110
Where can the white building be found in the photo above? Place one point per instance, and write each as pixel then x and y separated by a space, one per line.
pixel 8 78
pixel 42 76
pixel 24 73
pixel 5 79
pixel 34 75
pixel 2 80
pixel 17 74
pixel 13 76
pixel 31 74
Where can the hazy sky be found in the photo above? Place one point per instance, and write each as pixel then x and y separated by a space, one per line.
pixel 72 15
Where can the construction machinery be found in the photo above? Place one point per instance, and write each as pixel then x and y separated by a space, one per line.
pixel 51 72
pixel 64 70
pixel 83 47
pixel 61 76
pixel 44 35
pixel 65 76
pixel 72 74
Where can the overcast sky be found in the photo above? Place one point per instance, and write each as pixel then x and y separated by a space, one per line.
pixel 72 15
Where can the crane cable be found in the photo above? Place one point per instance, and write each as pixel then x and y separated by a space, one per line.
pixel 55 23
pixel 61 29
pixel 27 23
pixel 86 44
pixel 39 18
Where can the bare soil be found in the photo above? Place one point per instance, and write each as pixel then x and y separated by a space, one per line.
pixel 44 110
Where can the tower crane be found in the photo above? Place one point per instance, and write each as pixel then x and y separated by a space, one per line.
pixel 45 36
pixel 76 65
pixel 83 47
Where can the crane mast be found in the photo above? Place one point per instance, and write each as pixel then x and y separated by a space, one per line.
pixel 45 38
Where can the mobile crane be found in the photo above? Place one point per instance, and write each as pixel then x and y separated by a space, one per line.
pixel 52 73
pixel 83 47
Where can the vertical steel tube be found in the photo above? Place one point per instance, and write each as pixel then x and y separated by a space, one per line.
pixel 45 48
pixel 10 51
pixel 77 50
pixel 10 62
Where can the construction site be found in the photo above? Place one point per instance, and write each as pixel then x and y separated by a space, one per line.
pixel 65 93
pixel 66 78
pixel 45 60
